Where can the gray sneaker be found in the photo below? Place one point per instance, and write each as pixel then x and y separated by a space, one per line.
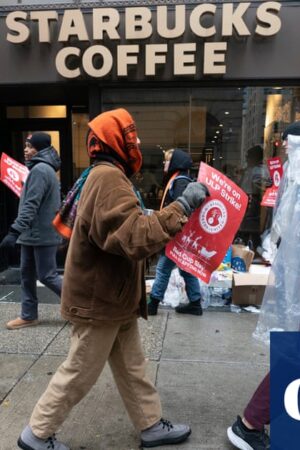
pixel 164 433
pixel 28 441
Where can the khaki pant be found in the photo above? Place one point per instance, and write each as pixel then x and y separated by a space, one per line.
pixel 91 347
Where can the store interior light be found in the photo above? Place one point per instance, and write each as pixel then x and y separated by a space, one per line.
pixel 217 132
pixel 220 124
pixel 277 143
pixel 226 113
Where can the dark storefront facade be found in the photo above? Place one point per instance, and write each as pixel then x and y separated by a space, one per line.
pixel 213 78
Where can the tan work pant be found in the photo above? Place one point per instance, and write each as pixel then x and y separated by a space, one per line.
pixel 91 347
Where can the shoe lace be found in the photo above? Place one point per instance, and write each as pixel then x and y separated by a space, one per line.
pixel 166 424
pixel 51 441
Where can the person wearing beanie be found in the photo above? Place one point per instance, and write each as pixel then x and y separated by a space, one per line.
pixel 176 166
pixel 38 141
pixel 33 230
pixel 104 289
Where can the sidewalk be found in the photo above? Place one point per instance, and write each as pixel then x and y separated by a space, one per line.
pixel 205 369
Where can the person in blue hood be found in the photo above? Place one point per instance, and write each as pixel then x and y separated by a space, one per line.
pixel 39 202
pixel 176 166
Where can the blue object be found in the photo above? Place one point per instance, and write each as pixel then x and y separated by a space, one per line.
pixel 285 387
pixel 238 264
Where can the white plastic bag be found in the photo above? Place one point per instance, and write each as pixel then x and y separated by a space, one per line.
pixel 175 292
pixel 268 247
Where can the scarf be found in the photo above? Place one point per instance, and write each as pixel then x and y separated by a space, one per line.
pixel 64 220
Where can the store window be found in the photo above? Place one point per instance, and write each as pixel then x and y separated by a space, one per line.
pixel 234 130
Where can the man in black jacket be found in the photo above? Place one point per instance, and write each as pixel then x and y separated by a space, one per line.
pixel 39 202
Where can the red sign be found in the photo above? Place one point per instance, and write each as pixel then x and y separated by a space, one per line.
pixel 202 244
pixel 13 174
pixel 276 170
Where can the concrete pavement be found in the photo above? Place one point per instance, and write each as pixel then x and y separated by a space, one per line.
pixel 204 368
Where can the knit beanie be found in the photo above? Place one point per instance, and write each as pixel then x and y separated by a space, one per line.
pixel 39 140
pixel 293 129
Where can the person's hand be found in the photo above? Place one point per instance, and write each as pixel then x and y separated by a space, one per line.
pixel 193 196
pixel 10 240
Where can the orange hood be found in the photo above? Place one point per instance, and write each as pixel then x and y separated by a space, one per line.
pixel 117 130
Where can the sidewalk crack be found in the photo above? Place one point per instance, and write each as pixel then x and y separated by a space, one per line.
pixel 39 355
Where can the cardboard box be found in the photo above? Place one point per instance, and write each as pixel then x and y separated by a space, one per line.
pixel 249 288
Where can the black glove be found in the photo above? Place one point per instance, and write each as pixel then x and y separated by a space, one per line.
pixel 10 240
pixel 193 196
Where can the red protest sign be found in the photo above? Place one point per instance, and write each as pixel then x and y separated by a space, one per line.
pixel 276 170
pixel 201 246
pixel 269 197
pixel 12 173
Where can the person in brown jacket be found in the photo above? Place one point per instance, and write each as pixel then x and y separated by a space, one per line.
pixel 104 289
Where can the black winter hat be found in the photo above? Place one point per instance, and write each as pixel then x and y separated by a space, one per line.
pixel 39 140
pixel 293 129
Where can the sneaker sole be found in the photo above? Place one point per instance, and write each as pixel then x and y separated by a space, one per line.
pixel 237 441
pixel 24 446
pixel 170 441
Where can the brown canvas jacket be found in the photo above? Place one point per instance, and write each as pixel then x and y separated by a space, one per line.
pixel 104 273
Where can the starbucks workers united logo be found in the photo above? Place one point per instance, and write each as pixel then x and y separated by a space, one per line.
pixel 213 216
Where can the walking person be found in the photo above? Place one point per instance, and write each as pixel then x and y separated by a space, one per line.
pixel 39 202
pixel 104 289
pixel 176 166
